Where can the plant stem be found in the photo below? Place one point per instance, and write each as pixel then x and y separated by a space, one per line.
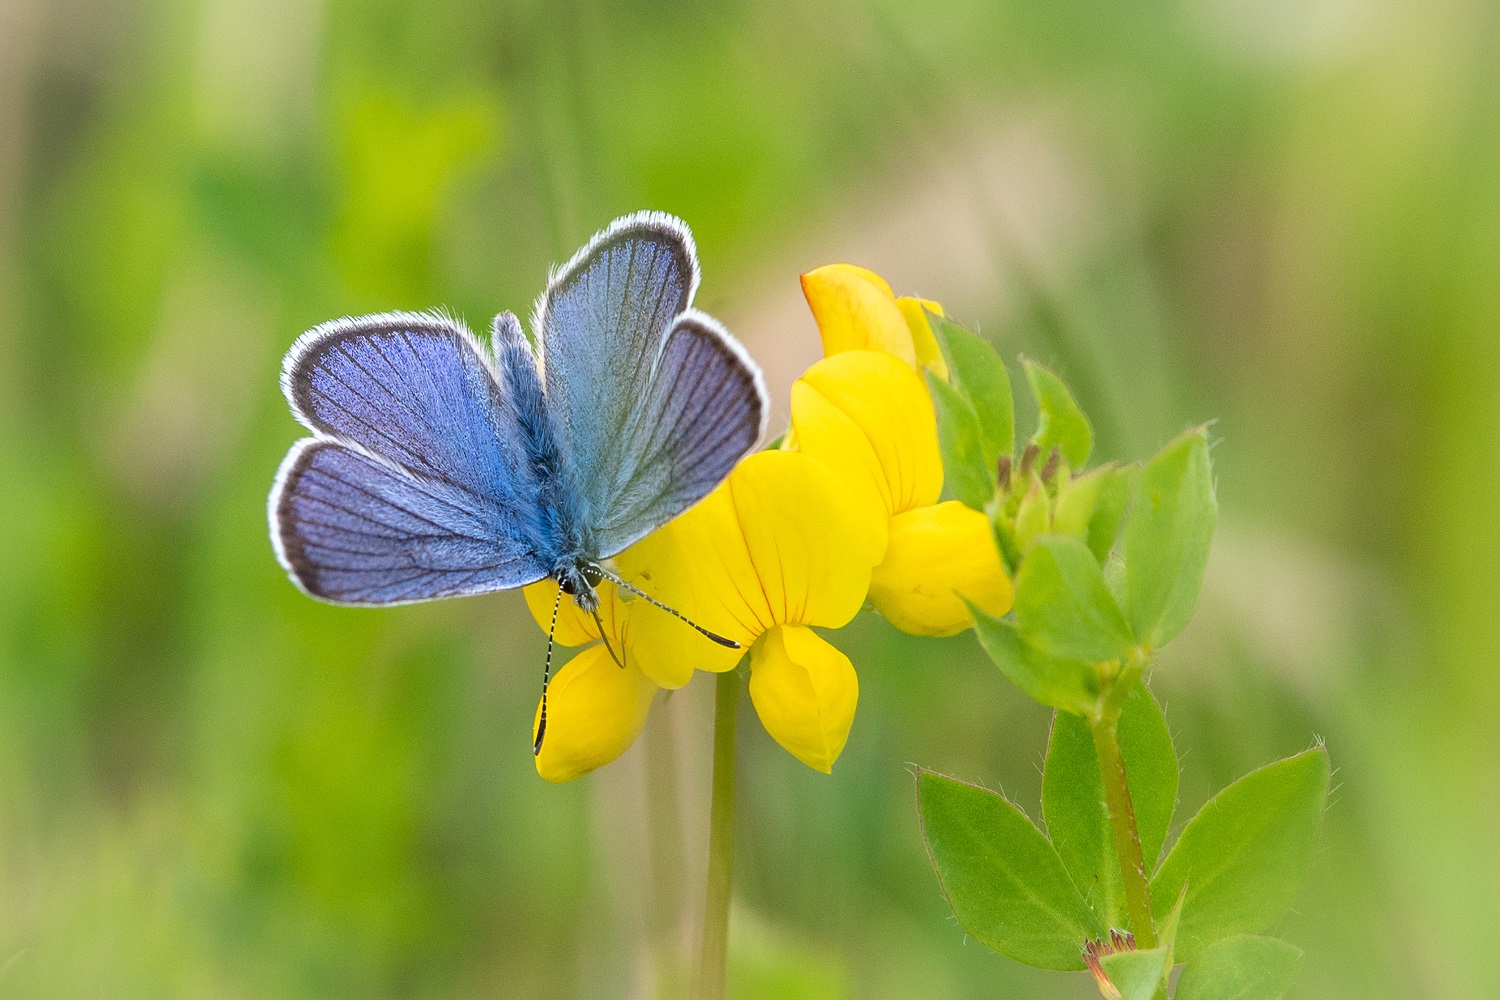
pixel 665 834
pixel 1127 837
pixel 711 957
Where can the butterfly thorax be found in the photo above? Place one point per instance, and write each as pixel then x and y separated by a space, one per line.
pixel 578 580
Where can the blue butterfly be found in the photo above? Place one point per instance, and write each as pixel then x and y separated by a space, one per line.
pixel 437 469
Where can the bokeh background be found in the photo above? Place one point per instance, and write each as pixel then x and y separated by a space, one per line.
pixel 1281 215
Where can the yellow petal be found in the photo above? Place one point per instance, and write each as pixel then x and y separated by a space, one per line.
pixel 925 344
pixel 805 692
pixel 869 418
pixel 574 628
pixel 781 541
pixel 595 710
pixel 855 310
pixel 687 565
pixel 935 556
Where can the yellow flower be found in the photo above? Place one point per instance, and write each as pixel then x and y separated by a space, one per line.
pixel 779 547
pixel 936 557
pixel 595 707
pixel 868 417
pixel 856 310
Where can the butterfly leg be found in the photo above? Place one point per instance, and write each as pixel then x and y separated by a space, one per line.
pixel 541 726
pixel 619 658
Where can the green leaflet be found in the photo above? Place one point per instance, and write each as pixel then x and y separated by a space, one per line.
pixel 1073 798
pixel 1069 685
pixel 1136 974
pixel 1034 515
pixel 1063 606
pixel 1002 878
pixel 966 475
pixel 1060 423
pixel 1109 509
pixel 1172 517
pixel 1243 967
pixel 1245 853
pixel 976 371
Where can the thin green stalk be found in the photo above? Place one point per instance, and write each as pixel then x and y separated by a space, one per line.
pixel 665 834
pixel 1127 837
pixel 709 983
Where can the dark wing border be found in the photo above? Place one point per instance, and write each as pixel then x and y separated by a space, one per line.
pixel 650 220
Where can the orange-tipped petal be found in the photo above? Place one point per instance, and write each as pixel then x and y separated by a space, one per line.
pixel 856 311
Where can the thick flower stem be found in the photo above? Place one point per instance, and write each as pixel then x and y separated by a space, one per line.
pixel 709 983
pixel 1127 837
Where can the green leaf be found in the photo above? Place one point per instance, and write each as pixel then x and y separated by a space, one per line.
pixel 1136 974
pixel 1073 803
pixel 1245 853
pixel 1006 539
pixel 1063 606
pixel 1060 422
pixel 1076 499
pixel 1109 510
pixel 1003 880
pixel 1033 516
pixel 1166 930
pixel 1069 685
pixel 1243 967
pixel 977 371
pixel 966 475
pixel 1171 526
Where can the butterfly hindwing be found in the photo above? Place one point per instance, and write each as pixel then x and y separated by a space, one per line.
pixel 704 411
pixel 351 529
pixel 420 482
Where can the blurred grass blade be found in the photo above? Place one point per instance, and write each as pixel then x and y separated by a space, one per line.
pixel 1002 878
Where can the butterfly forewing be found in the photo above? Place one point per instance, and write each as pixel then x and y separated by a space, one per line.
pixel 649 427
pixel 419 484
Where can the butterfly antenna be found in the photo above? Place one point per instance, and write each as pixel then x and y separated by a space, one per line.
pixel 604 635
pixel 541 726
pixel 618 582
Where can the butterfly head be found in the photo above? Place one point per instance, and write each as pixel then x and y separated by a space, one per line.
pixel 578 580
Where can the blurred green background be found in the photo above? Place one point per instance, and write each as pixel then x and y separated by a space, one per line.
pixel 1283 215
